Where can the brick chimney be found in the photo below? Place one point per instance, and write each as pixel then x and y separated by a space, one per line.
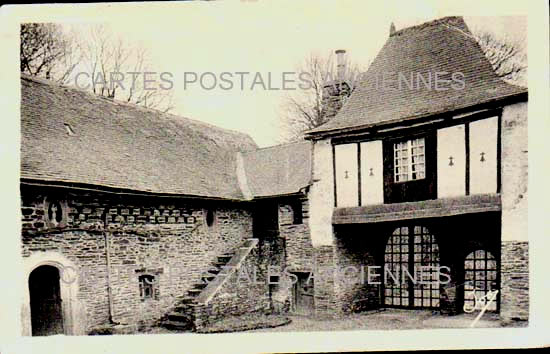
pixel 337 90
pixel 340 63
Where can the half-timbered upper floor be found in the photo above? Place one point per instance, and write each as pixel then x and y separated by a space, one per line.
pixel 424 124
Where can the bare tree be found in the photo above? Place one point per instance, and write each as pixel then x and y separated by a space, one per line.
pixel 308 108
pixel 46 51
pixel 113 67
pixel 508 58
pixel 117 68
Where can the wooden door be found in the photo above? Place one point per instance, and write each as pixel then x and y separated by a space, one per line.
pixel 303 294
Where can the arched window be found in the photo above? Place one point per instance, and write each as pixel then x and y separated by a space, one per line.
pixel 480 277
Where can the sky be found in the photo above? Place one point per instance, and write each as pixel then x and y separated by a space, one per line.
pixel 268 38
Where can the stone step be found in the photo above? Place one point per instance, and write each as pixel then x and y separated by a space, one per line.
pixel 177 325
pixel 225 258
pixel 180 317
pixel 186 300
pixel 200 285
pixel 185 308
pixel 208 276
pixel 194 292
pixel 214 270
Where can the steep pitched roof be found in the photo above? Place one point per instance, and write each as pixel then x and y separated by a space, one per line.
pixel 278 170
pixel 69 135
pixel 443 45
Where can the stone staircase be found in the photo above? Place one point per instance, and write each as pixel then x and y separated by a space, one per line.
pixel 182 316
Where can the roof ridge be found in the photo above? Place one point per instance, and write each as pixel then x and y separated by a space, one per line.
pixel 439 21
pixel 276 146
pixel 173 117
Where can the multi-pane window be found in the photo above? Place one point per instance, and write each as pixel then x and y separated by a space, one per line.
pixel 480 277
pixel 396 259
pixel 409 160
pixel 409 249
pixel 426 254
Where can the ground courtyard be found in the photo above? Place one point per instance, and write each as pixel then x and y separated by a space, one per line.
pixel 389 319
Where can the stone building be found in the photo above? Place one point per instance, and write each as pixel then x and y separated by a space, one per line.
pixel 424 166
pixel 129 216
pixel 133 217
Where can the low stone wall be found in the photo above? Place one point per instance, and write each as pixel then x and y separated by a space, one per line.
pixel 244 292
pixel 514 281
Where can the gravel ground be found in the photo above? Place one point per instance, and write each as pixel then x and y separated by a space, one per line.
pixel 380 320
pixel 391 319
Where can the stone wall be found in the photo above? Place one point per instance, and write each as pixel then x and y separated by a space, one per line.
pixel 164 237
pixel 514 300
pixel 325 298
pixel 352 290
pixel 514 251
pixel 299 250
pixel 514 172
pixel 321 206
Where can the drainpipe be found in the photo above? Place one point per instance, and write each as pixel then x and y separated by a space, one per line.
pixel 108 261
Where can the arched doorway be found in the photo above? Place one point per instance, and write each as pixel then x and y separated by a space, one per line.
pixel 408 248
pixel 45 301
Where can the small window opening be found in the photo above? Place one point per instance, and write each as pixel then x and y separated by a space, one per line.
pixel 146 286
pixel 297 212
pixel 210 218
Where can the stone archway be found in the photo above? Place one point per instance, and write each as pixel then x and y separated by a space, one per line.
pixel 69 308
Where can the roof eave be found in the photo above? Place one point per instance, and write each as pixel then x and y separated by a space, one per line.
pixel 320 134
pixel 45 182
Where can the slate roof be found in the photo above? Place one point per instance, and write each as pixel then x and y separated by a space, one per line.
pixel 278 170
pixel 443 45
pixel 121 145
